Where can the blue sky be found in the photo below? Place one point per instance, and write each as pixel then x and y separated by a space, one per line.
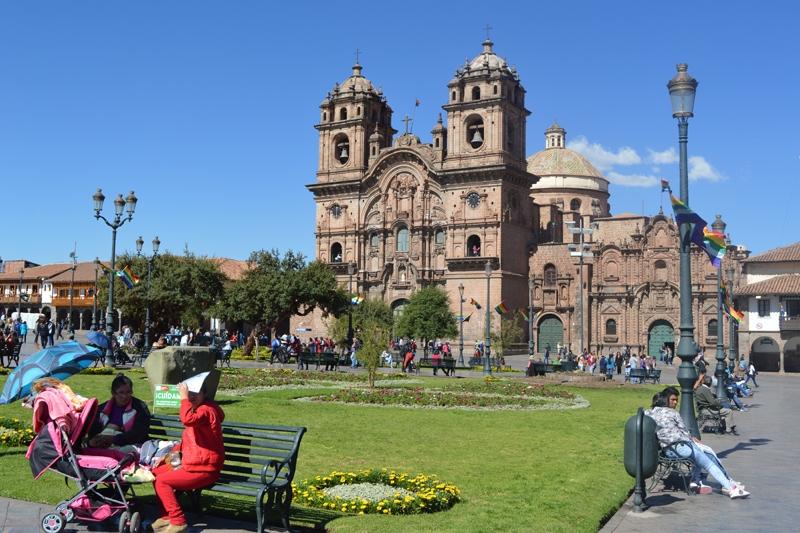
pixel 206 109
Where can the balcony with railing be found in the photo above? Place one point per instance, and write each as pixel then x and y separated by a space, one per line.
pixel 789 323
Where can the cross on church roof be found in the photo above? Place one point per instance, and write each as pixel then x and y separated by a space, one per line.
pixel 488 29
pixel 357 53
pixel 406 120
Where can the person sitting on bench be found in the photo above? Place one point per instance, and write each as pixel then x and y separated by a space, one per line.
pixel 704 397
pixel 678 443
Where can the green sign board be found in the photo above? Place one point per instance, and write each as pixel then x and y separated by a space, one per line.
pixel 166 396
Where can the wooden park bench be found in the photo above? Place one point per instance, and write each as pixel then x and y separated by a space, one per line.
pixel 11 353
pixel 318 358
pixel 140 357
pixel 447 364
pixel 654 375
pixel 260 461
pixel 637 373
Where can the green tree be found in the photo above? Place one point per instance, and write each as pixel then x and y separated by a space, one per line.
pixel 509 333
pixel 276 287
pixel 427 316
pixel 183 291
pixel 374 337
pixel 369 311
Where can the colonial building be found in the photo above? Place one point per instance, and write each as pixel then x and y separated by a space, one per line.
pixel 397 214
pixel 770 299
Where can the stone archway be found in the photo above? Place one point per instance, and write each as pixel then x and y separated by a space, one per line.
pixel 660 334
pixel 550 333
pixel 791 355
pixel 766 355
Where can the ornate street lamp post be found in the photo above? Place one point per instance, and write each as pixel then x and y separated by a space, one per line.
pixel 19 295
pixel 719 371
pixel 150 260
pixel 120 204
pixel 487 349
pixel 530 317
pixel 461 324
pixel 74 258
pixel 351 269
pixel 731 322
pixel 94 295
pixel 682 92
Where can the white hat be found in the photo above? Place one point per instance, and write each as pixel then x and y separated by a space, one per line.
pixel 195 383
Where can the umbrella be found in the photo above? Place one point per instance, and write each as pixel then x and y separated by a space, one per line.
pixel 59 361
pixel 97 338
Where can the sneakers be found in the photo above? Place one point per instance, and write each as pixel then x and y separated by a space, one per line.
pixel 699 488
pixel 736 491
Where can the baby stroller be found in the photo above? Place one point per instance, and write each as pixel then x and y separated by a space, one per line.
pixel 97 472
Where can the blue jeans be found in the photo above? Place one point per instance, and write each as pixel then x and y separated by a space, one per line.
pixel 703 460
pixel 353 360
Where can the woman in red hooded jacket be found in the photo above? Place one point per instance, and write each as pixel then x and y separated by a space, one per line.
pixel 202 455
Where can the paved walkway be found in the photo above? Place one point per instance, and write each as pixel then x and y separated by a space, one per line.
pixel 763 457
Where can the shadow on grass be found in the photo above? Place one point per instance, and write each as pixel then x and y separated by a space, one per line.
pixel 12 451
pixel 227 508
pixel 743 446
pixel 227 401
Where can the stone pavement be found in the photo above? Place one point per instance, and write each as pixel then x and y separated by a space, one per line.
pixel 762 457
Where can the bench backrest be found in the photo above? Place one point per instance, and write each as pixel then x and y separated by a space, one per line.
pixel 638 372
pixel 249 448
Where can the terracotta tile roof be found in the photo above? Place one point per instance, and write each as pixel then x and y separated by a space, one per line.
pixel 34 273
pixel 84 272
pixel 785 284
pixel 233 269
pixel 785 253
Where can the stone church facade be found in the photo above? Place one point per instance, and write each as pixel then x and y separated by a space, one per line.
pixel 394 214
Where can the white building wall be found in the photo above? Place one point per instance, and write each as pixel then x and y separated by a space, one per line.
pixel 763 324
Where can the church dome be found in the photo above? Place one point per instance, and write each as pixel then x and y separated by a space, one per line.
pixel 487 62
pixel 557 160
pixel 356 81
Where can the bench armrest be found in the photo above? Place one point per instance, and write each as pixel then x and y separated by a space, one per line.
pixel 277 467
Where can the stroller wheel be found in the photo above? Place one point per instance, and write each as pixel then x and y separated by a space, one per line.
pixel 53 523
pixel 123 522
pixel 135 525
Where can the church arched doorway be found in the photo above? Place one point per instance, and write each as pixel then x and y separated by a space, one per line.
pixel 766 355
pixel 791 355
pixel 551 333
pixel 660 335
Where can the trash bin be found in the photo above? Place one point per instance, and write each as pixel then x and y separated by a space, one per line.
pixel 640 453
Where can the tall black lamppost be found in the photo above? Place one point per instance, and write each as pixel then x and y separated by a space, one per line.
pixel 731 322
pixel 120 204
pixel 487 350
pixel 719 372
pixel 94 294
pixel 530 317
pixel 682 91
pixel 351 269
pixel 461 325
pixel 74 258
pixel 150 260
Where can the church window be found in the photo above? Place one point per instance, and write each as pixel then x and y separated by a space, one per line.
pixel 476 93
pixel 373 240
pixel 336 210
pixel 358 111
pixel 575 204
pixel 495 89
pixel 611 327
pixel 712 328
pixel 336 252
pixel 549 275
pixel 341 147
pixel 453 96
pixel 473 246
pixel 661 270
pixel 325 116
pixel 439 236
pixel 763 307
pixel 373 150
pixel 343 113
pixel 402 239
pixel 436 142
pixel 475 131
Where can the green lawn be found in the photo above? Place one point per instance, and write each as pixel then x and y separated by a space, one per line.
pixel 518 470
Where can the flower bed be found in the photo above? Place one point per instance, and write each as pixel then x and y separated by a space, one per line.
pixel 377 492
pixel 418 397
pixel 99 371
pixel 273 377
pixel 511 388
pixel 4 371
pixel 14 432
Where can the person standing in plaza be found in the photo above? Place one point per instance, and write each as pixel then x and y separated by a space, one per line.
pixel 23 331
pixel 751 373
